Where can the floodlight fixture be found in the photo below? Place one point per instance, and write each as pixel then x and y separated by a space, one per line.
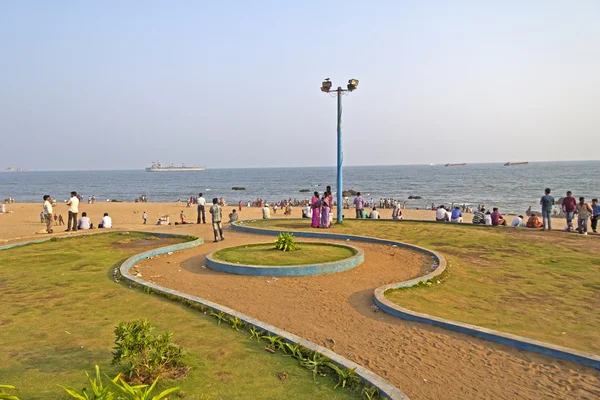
pixel 326 85
pixel 352 84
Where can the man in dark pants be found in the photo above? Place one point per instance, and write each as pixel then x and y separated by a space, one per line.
pixel 217 216
pixel 73 204
pixel 201 209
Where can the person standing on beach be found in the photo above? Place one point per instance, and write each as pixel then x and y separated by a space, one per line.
pixel 182 216
pixel 568 207
pixel 325 207
pixel 359 203
pixel 315 204
pixel 201 209
pixel 583 210
pixel 595 215
pixel 547 202
pixel 216 213
pixel 73 204
pixel 48 213
pixel 144 217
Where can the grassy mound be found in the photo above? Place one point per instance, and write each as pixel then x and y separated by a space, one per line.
pixel 541 285
pixel 60 306
pixel 266 254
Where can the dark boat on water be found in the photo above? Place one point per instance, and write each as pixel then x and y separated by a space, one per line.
pixel 516 164
pixel 456 165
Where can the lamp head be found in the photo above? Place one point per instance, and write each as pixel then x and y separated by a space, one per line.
pixel 326 86
pixel 352 84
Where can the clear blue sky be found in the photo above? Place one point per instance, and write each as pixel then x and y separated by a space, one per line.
pixel 117 84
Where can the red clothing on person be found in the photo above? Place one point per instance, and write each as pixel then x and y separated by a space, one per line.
pixel 495 217
pixel 569 204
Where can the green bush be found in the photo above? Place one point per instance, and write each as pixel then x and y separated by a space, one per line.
pixel 285 242
pixel 145 354
pixel 118 390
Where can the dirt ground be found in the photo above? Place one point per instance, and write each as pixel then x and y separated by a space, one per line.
pixel 335 311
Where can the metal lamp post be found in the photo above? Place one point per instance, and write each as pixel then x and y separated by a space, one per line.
pixel 326 87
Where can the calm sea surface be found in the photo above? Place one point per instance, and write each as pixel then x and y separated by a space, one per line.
pixel 513 189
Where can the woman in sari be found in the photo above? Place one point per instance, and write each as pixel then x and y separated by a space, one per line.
pixel 325 208
pixel 315 204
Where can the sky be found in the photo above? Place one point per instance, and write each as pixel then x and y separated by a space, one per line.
pixel 116 85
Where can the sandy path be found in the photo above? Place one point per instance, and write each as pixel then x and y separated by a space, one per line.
pixel 334 311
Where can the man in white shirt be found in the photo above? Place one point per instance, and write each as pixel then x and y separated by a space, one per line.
pixel 374 214
pixel 441 214
pixel 106 222
pixel 73 204
pixel 266 212
pixel 517 221
pixel 48 213
pixel 201 209
pixel 84 222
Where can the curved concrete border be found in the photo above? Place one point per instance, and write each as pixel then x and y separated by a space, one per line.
pixel 519 342
pixel 287 270
pixel 386 389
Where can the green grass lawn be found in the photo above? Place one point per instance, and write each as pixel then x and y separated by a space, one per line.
pixel 541 285
pixel 60 306
pixel 267 254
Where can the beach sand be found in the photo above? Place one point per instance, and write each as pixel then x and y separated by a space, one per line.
pixel 22 220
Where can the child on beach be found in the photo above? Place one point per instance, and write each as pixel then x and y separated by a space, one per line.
pixel 595 214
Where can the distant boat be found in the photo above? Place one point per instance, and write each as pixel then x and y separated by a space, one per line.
pixel 456 165
pixel 516 164
pixel 158 167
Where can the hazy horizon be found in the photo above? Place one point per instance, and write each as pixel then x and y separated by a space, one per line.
pixel 113 86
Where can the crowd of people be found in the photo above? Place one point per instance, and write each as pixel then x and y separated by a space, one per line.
pixel 569 207
pixel 51 218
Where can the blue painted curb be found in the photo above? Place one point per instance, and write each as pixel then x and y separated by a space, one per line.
pixel 518 342
pixel 386 389
pixel 288 270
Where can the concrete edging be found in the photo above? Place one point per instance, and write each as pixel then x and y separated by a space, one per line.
pixel 386 389
pixel 518 342
pixel 288 270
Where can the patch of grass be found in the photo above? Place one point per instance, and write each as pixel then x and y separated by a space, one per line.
pixel 60 307
pixel 267 254
pixel 541 285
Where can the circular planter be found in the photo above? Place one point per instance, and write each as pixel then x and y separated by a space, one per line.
pixel 302 269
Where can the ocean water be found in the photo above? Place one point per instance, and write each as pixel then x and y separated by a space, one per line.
pixel 512 189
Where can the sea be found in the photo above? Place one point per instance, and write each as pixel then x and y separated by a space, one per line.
pixel 512 189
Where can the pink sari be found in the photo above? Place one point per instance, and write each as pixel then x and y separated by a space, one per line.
pixel 325 208
pixel 316 212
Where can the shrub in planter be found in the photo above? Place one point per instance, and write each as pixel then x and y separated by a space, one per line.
pixel 285 242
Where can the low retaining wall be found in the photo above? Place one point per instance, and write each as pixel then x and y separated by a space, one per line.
pixel 288 270
pixel 386 389
pixel 519 342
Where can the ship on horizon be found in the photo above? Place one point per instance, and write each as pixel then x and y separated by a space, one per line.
pixel 456 165
pixel 516 164
pixel 12 169
pixel 158 167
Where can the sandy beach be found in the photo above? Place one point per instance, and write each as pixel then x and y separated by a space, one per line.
pixel 22 220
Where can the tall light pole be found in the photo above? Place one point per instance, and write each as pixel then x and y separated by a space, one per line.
pixel 326 87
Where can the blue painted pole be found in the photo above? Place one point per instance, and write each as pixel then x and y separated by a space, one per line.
pixel 339 157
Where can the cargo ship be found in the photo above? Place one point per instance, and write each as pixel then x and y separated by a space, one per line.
pixel 456 165
pixel 158 167
pixel 516 164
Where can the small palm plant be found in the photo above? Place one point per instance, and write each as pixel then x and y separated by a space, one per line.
pixel 285 242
